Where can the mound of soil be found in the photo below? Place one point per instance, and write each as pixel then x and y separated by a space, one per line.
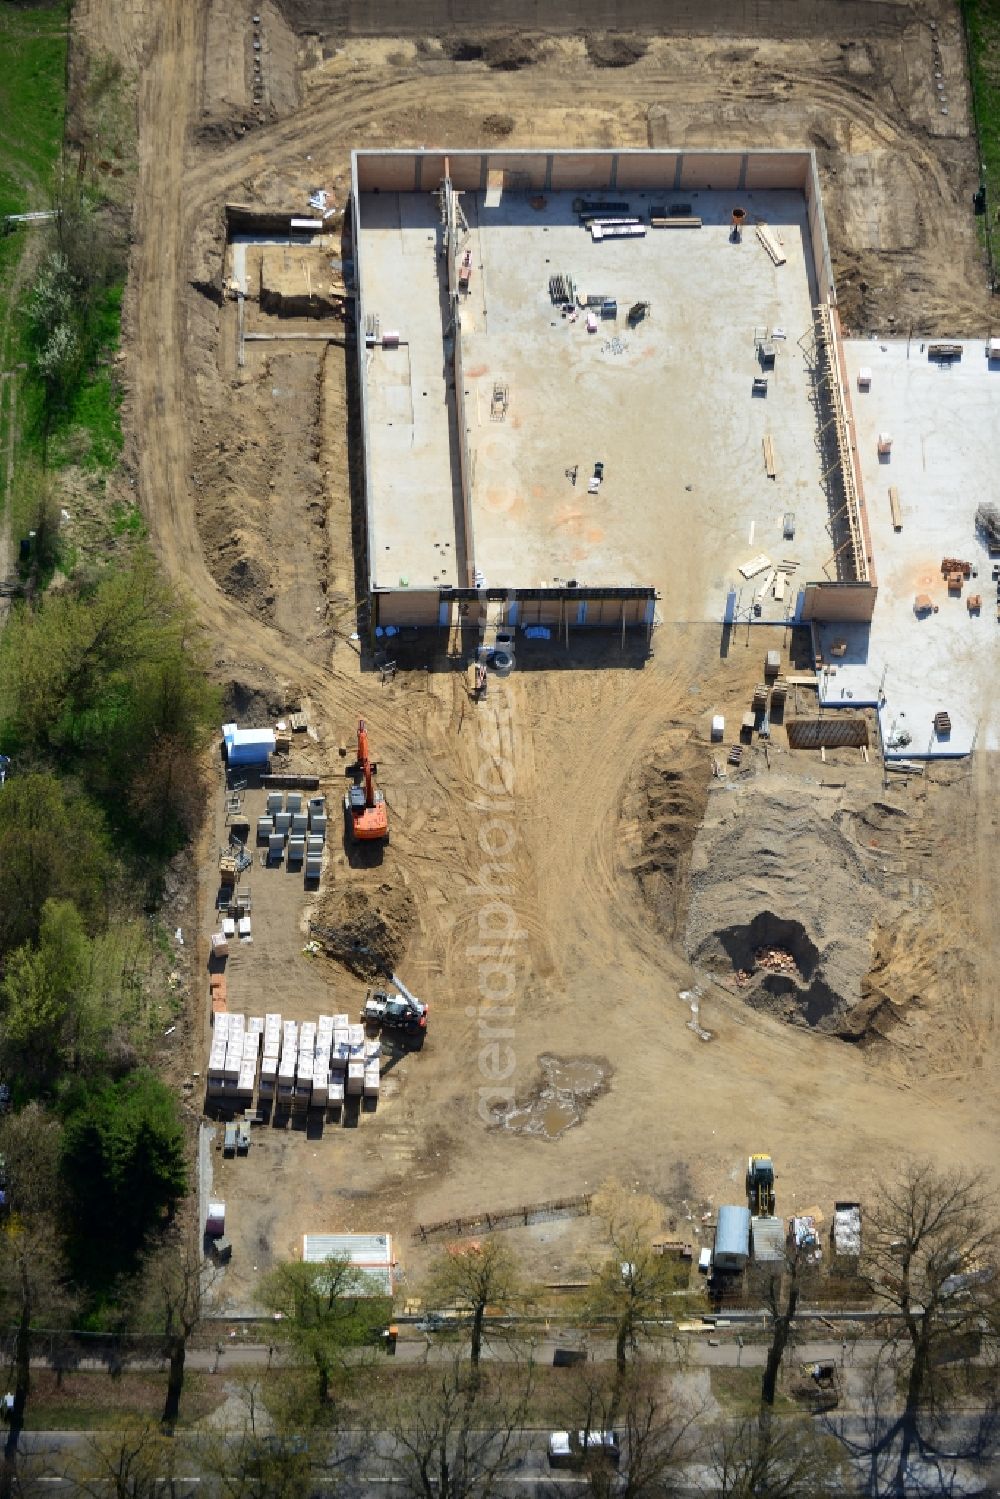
pixel 615 49
pixel 661 813
pixel 784 904
pixel 367 931
pixel 507 52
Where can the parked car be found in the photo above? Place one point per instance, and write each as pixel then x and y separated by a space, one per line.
pixel 571 1449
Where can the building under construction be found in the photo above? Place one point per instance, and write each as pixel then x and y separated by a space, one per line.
pixel 603 387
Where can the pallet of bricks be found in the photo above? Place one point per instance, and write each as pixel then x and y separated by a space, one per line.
pixel 232 1061
pixel 317 1064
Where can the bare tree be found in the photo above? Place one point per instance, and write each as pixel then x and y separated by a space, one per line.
pixel 930 1258
pixel 453 1439
pixel 31 1271
pixel 174 1284
pixel 789 1460
pixel 656 1431
pixel 134 1462
pixel 475 1276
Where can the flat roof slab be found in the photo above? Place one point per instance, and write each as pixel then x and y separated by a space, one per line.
pixel 667 407
pixel 943 420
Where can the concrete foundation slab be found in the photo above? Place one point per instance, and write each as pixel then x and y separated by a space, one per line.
pixel 943 419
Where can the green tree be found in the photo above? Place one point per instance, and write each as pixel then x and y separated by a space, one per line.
pixel 123 1169
pixel 52 846
pixel 632 1283
pixel 73 1003
pixel 40 988
pixel 475 1276
pixel 325 1311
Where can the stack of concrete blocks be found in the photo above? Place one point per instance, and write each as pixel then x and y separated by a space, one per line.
pixel 373 1063
pixel 356 1060
pixel 269 1059
pixel 340 1052
pixel 247 1076
pixel 321 1070
pixel 306 1063
pixel 316 837
pixel 287 1063
pixel 298 827
pixel 216 1084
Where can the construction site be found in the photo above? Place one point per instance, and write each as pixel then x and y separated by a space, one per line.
pixel 558 437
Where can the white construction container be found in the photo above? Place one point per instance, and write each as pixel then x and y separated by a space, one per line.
pixel 317 804
pixel 320 1094
pixel 300 823
pixel 275 845
pixel 221 1025
pixel 355 1078
pixel 317 824
pixel 356 1035
pixel 255 1025
pixel 335 1092
pixel 341 1022
pixel 314 868
pixel 282 822
pixel 296 849
pixel 286 1069
pixel 215 1219
pixel 372 1081
pixel 293 801
pixel 373 1048
pixel 247 1078
pixel 265 827
pixel 274 802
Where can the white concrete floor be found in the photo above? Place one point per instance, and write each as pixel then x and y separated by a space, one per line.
pixel 685 498
pixel 944 422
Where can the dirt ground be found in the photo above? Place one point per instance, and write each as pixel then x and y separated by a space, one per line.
pixel 568 820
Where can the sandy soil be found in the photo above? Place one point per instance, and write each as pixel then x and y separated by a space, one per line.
pixel 247 493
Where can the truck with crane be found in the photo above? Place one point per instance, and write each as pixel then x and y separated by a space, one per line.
pixel 364 803
pixel 401 1011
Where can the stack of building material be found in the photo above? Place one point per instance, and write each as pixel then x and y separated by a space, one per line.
pixel 271 1054
pixel 220 945
pixel 372 1058
pixel 355 1079
pixel 248 1066
pixel 218 993
pixel 216 1084
pixel 287 1063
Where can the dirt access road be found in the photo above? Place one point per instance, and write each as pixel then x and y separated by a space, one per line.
pixel 559 758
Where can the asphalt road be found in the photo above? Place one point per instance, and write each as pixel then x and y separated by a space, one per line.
pixel 358 1466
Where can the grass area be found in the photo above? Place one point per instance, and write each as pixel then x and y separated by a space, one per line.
pixel 982 18
pixel 90 430
pixel 738 1392
pixel 94 1401
pixel 33 45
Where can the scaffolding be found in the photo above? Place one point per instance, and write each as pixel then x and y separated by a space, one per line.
pixel 834 439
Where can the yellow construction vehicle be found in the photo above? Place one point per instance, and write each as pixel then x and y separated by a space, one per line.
pixel 760 1186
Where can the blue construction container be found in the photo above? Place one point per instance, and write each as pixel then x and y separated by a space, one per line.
pixel 732 1239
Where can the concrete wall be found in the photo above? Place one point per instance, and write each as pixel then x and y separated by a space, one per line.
pixel 595 171
pixel 362 369
pixel 826 290
pixel 844 19
pixel 839 603
pixel 406 607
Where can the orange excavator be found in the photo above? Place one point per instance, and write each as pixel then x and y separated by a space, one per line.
pixel 364 802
